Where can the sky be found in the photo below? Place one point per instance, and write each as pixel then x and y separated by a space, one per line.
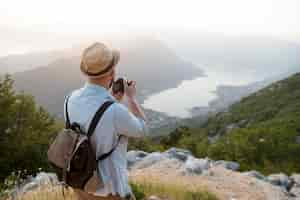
pixel 276 18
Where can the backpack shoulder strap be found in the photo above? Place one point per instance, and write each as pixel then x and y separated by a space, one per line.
pixel 67 121
pixel 93 126
pixel 105 155
pixel 98 116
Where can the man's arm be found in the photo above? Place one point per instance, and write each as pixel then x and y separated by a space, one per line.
pixel 130 93
pixel 133 104
pixel 130 121
pixel 126 123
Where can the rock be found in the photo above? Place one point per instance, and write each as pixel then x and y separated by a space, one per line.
pixel 149 160
pixel 195 165
pixel 255 174
pixel 234 166
pixel 33 183
pixel 231 127
pixel 213 139
pixel 152 197
pixel 29 187
pixel 280 180
pixel 295 190
pixel 180 154
pixel 298 139
pixel 44 178
pixel 296 179
pixel 135 156
pixel 242 123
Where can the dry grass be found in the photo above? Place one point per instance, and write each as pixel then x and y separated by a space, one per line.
pixel 166 180
pixel 165 191
pixel 174 191
pixel 48 192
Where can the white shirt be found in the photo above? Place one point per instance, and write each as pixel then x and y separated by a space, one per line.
pixel 117 120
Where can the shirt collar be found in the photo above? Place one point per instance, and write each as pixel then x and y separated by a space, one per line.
pixel 95 87
pixel 98 89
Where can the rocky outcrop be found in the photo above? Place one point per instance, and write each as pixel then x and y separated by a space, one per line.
pixel 32 183
pixel 234 166
pixel 280 180
pixel 255 174
pixel 190 164
pixel 220 174
pixel 291 184
pixel 180 154
pixel 195 165
pixel 135 156
pixel 148 160
pixel 295 190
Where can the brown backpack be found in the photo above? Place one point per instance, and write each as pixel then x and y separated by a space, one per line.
pixel 71 153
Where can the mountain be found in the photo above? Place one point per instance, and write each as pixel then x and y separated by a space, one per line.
pixel 226 95
pixel 148 61
pixel 18 63
pixel 257 57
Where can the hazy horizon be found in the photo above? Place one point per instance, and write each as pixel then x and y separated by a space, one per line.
pixel 36 26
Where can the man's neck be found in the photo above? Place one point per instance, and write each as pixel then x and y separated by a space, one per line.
pixel 100 82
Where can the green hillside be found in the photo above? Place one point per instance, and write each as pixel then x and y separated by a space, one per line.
pixel 278 103
pixel 260 132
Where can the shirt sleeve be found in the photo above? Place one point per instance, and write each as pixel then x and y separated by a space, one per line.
pixel 127 124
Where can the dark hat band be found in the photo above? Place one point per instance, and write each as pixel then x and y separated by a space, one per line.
pixel 111 64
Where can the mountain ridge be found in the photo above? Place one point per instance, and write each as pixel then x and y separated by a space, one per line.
pixel 154 66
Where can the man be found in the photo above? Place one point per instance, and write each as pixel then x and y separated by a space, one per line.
pixel 98 64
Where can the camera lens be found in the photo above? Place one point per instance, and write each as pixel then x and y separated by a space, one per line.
pixel 118 86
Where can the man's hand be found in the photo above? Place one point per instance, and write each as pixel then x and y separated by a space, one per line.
pixel 119 96
pixel 133 105
pixel 130 90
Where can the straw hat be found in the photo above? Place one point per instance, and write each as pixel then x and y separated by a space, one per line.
pixel 97 60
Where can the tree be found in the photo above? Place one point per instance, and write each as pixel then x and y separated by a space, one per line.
pixel 25 131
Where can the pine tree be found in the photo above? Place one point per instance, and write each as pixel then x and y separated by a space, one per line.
pixel 25 131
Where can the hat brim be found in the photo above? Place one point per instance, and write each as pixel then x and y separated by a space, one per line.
pixel 116 58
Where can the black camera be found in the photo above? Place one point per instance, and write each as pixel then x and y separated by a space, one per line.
pixel 118 85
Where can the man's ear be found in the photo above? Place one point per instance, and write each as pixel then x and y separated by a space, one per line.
pixel 113 72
